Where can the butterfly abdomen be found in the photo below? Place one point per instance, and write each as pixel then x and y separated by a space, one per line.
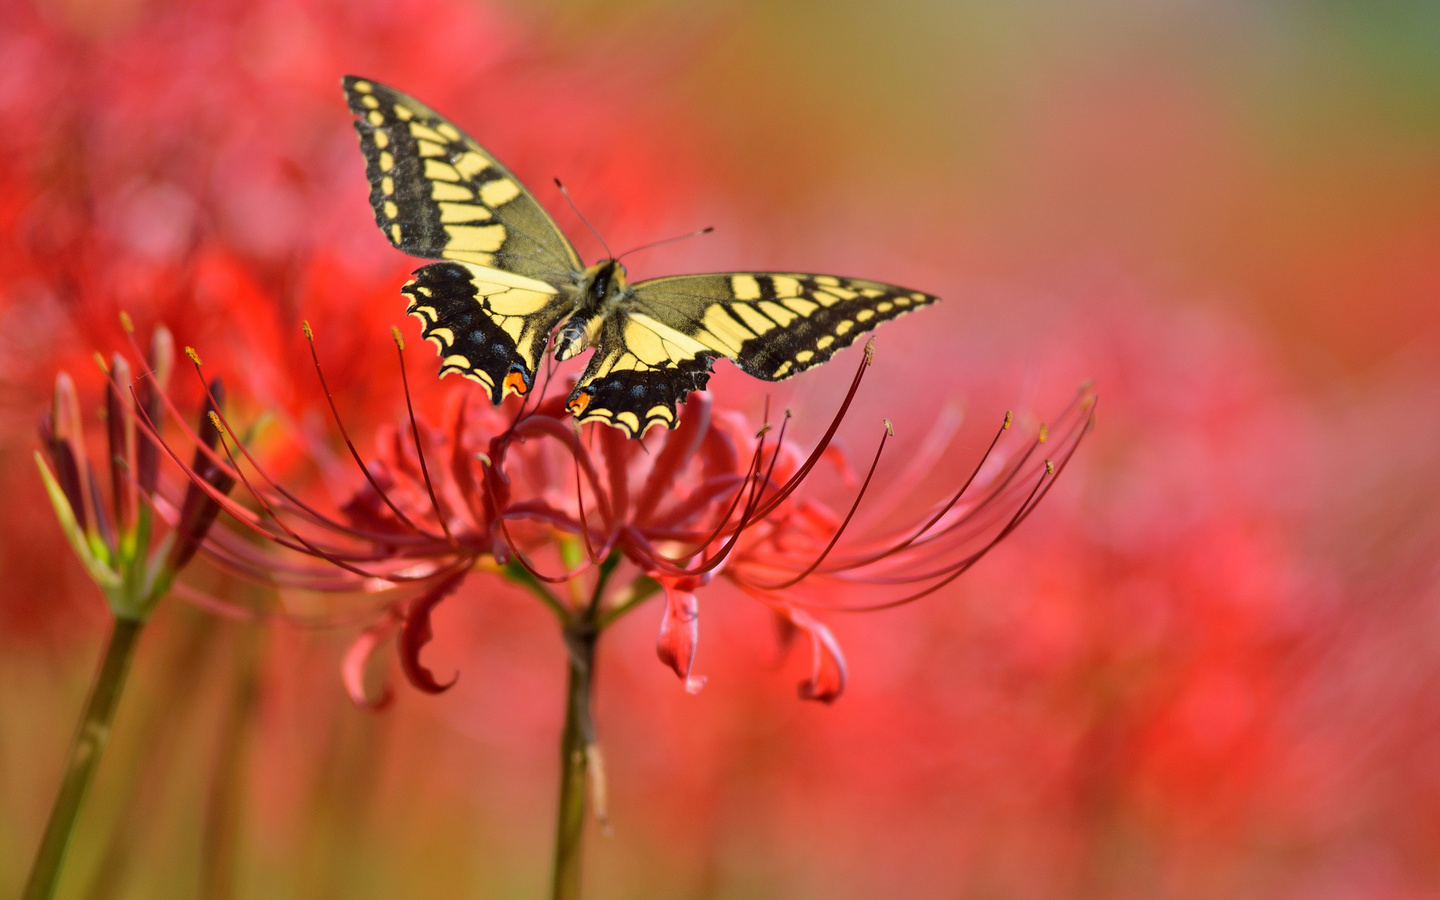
pixel 578 332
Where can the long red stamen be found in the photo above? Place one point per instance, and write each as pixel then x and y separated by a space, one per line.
pixel 751 472
pixel 757 488
pixel 950 573
pixel 234 510
pixel 940 513
pixel 293 503
pixel 1047 480
pixel 835 538
pixel 815 455
pixel 415 433
pixel 324 554
pixel 973 521
pixel 595 558
pixel 350 445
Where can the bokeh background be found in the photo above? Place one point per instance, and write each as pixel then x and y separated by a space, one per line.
pixel 1208 667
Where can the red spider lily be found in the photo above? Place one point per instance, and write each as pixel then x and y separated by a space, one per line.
pixel 503 488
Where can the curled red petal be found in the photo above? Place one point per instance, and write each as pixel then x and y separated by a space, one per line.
pixel 679 630
pixel 828 673
pixel 416 633
pixel 357 660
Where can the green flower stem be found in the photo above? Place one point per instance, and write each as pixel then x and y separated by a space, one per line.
pixel 580 640
pixel 579 755
pixel 85 750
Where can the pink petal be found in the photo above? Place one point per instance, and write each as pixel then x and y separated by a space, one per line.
pixel 416 633
pixel 679 631
pixel 357 660
pixel 828 674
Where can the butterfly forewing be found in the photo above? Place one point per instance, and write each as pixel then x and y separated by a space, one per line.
pixel 438 194
pixel 774 325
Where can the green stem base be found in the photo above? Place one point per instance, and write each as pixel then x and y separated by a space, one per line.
pixel 575 741
pixel 85 750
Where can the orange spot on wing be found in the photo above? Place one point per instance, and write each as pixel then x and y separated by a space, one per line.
pixel 515 382
pixel 577 406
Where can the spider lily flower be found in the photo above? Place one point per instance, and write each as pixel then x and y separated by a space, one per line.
pixel 114 539
pixel 716 498
pixel 405 538
pixel 594 523
pixel 801 556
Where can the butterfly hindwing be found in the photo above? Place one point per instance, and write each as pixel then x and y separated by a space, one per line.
pixel 488 325
pixel 640 370
pixel 438 194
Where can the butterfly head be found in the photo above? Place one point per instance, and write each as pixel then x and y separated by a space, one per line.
pixel 602 281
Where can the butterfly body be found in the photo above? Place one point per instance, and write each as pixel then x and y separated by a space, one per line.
pixel 601 291
pixel 507 281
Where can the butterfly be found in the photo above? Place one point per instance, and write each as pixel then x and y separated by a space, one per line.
pixel 508 280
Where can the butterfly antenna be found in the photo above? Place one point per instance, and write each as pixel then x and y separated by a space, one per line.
pixel 670 240
pixel 566 195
